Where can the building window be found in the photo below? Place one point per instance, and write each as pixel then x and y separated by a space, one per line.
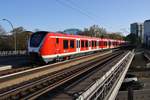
pixel 71 43
pixel 82 43
pixel 65 44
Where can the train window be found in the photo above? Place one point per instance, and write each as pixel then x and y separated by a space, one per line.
pixel 65 44
pixel 78 43
pixel 100 43
pixel 92 43
pixel 86 43
pixel 114 43
pixel 36 38
pixel 109 43
pixel 95 43
pixel 57 40
pixel 82 43
pixel 105 43
pixel 71 43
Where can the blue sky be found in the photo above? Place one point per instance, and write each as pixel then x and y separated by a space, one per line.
pixel 57 15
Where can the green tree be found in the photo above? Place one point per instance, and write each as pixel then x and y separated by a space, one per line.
pixel 133 39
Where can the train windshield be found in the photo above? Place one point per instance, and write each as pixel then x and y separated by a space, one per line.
pixel 36 38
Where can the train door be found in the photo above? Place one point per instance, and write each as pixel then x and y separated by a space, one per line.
pixel 108 44
pixel 89 44
pixel 77 45
pixel 97 44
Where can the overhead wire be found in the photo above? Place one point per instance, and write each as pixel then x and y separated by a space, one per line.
pixel 83 9
pixel 78 9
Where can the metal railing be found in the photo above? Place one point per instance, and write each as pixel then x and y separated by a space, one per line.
pixel 13 53
pixel 100 89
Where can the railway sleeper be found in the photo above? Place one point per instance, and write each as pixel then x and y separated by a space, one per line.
pixel 31 90
pixel 45 83
pixel 39 86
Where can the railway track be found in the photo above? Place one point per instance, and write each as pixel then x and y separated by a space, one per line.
pixel 22 76
pixel 26 67
pixel 35 87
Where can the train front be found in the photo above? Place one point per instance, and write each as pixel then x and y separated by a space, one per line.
pixel 34 45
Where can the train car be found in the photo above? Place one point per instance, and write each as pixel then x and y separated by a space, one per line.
pixel 50 46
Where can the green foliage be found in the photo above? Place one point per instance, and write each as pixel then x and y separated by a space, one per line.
pixel 133 39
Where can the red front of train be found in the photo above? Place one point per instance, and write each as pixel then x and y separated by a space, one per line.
pixel 49 46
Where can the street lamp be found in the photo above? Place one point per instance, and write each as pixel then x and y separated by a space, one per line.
pixel 12 31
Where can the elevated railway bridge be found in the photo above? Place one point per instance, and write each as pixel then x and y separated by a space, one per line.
pixel 93 77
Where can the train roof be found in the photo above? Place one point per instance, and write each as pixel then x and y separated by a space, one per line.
pixel 69 35
pixel 76 36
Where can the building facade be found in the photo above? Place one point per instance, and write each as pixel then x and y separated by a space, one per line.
pixel 147 33
pixel 138 30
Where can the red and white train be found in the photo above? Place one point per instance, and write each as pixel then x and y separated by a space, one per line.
pixel 49 46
